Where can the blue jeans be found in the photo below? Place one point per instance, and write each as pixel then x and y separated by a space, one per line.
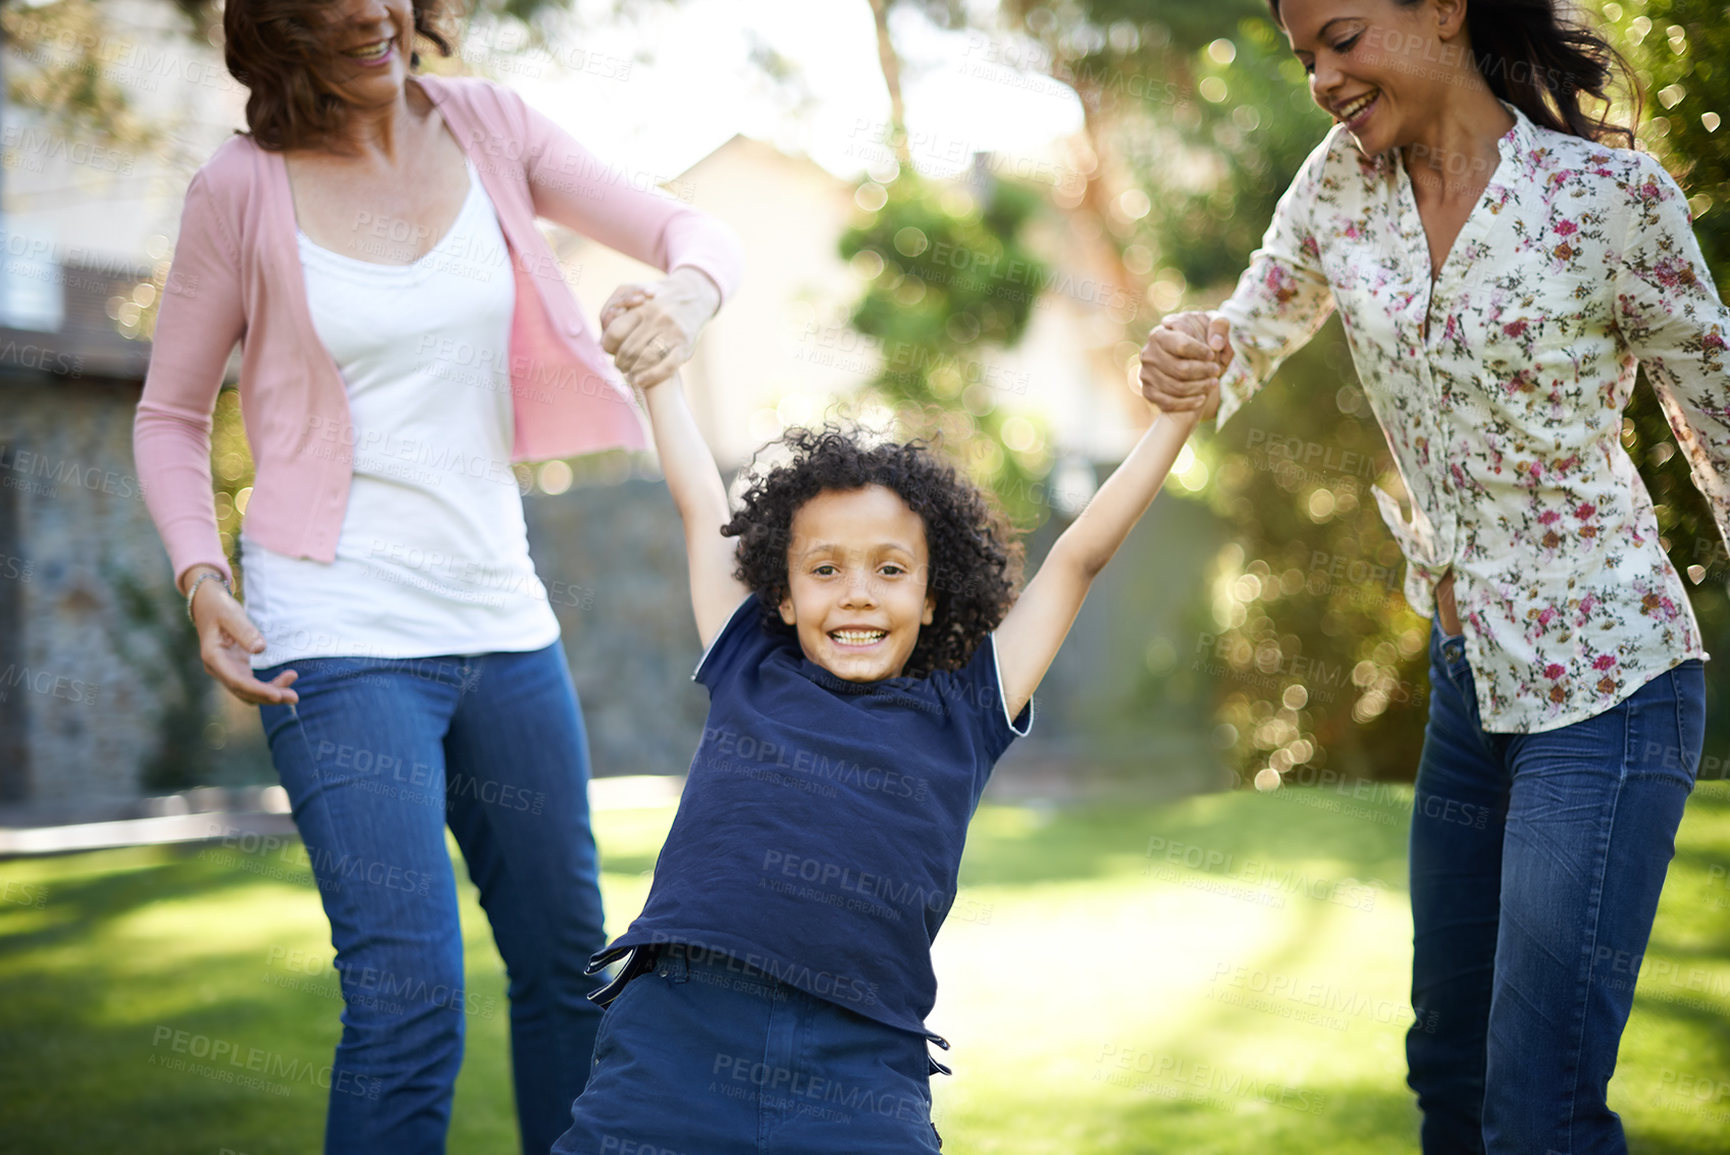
pixel 377 758
pixel 1536 862
pixel 704 1055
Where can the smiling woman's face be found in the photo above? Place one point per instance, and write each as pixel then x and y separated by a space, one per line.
pixel 1379 67
pixel 373 40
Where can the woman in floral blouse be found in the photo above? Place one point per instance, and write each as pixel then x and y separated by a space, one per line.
pixel 1501 271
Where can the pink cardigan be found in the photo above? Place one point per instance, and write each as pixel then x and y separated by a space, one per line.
pixel 236 276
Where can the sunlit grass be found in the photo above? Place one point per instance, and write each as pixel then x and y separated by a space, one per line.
pixel 1226 973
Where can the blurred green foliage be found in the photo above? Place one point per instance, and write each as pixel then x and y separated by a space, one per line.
pixel 231 473
pixel 1680 51
pixel 55 65
pixel 947 274
pixel 1317 661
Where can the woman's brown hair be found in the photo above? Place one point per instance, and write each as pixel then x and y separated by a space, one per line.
pixel 284 52
pixel 1544 64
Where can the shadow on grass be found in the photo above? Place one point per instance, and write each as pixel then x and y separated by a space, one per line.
pixel 139 877
pixel 111 1039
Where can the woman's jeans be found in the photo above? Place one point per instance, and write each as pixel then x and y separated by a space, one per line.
pixel 1536 862
pixel 377 758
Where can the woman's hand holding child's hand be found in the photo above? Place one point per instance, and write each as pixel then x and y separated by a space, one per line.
pixel 1182 363
pixel 650 330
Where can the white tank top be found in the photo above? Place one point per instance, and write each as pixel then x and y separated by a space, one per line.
pixel 434 555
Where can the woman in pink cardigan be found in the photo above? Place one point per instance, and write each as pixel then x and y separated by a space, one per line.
pixel 406 334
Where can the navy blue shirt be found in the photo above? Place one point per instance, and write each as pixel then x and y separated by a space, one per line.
pixel 821 829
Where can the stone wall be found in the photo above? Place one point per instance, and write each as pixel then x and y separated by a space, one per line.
pixel 104 694
pixel 613 560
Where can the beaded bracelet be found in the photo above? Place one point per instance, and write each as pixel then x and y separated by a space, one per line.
pixel 198 581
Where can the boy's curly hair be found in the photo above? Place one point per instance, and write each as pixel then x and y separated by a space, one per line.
pixel 975 561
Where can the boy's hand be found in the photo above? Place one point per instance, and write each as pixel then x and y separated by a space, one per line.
pixel 625 298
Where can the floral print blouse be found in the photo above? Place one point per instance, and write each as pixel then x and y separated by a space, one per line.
pixel 1501 394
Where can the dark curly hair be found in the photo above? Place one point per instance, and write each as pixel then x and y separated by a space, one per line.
pixel 974 558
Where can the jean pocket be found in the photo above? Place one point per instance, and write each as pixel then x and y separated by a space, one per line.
pixel 1689 679
pixel 618 1005
pixel 291 751
pixel 1663 724
pixel 275 718
pixel 638 962
pixel 1687 687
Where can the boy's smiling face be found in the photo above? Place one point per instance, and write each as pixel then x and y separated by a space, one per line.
pixel 857 582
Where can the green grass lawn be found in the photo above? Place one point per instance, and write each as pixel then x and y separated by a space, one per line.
pixel 1240 988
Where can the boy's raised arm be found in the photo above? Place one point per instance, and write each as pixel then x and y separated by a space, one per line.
pixel 1031 635
pixel 701 497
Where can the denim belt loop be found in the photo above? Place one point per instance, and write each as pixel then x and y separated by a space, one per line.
pixel 1452 647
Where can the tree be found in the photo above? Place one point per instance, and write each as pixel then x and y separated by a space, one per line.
pixel 947 274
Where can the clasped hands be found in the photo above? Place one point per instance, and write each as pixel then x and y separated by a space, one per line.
pixel 651 330
pixel 1183 360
